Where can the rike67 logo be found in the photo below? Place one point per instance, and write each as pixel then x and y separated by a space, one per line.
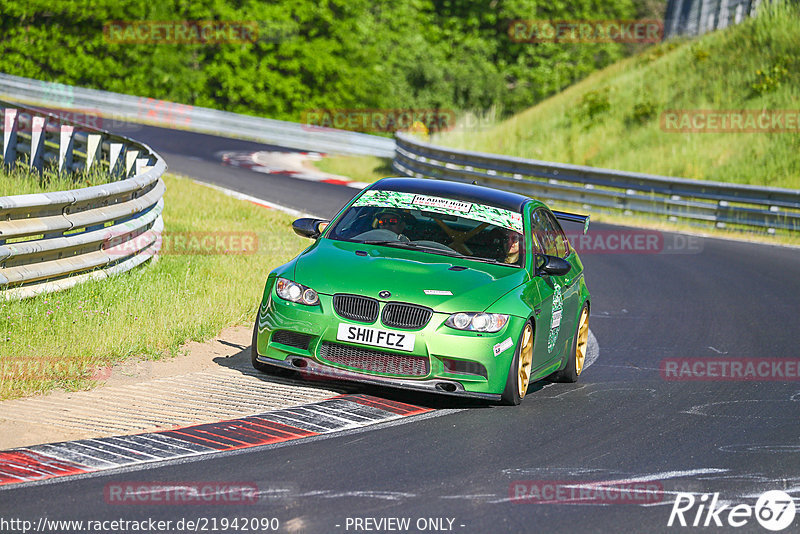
pixel 774 510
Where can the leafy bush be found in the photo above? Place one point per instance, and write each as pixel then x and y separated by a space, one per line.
pixel 700 54
pixel 768 80
pixel 643 112
pixel 661 49
pixel 592 105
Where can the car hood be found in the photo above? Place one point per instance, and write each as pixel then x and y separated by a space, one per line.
pixel 411 276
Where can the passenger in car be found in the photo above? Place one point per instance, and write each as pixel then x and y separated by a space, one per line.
pixel 512 248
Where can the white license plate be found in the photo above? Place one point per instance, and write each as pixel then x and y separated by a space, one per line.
pixel 376 337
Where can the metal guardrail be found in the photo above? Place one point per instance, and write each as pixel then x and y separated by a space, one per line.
pixel 53 241
pixel 173 115
pixel 757 208
pixel 696 17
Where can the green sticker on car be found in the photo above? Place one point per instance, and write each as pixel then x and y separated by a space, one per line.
pixel 555 318
pixel 478 212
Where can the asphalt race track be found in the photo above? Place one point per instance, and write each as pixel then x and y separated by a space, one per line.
pixel 622 423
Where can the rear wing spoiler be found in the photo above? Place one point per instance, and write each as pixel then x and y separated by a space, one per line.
pixel 573 217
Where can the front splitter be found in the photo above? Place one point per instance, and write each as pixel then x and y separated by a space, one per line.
pixel 312 368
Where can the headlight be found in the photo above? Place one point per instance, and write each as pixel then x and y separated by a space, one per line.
pixel 294 292
pixel 477 322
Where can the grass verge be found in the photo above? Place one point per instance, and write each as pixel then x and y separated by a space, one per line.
pixel 20 180
pixel 63 339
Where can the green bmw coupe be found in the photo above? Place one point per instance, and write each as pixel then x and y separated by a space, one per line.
pixel 430 285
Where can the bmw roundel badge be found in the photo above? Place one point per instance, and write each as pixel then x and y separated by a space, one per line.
pixel 384 294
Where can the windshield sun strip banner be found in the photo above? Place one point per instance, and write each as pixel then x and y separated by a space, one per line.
pixel 478 212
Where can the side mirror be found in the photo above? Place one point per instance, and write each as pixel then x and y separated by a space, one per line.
pixel 554 266
pixel 307 227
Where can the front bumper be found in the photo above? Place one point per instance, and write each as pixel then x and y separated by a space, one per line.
pixel 313 369
pixel 438 344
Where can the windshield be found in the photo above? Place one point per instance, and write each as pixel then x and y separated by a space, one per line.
pixel 435 225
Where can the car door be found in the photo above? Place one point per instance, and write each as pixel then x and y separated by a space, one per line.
pixel 558 293
pixel 571 287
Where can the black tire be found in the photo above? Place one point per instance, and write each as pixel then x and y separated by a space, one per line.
pixel 511 395
pixel 264 368
pixel 570 372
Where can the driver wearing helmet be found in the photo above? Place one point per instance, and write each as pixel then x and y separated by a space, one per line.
pixel 393 220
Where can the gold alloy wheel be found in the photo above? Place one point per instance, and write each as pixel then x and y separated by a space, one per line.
pixel 583 341
pixel 525 360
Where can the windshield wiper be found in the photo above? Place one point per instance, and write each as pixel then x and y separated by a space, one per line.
pixel 410 245
pixel 484 260
pixel 389 243
pixel 476 258
pixel 433 250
